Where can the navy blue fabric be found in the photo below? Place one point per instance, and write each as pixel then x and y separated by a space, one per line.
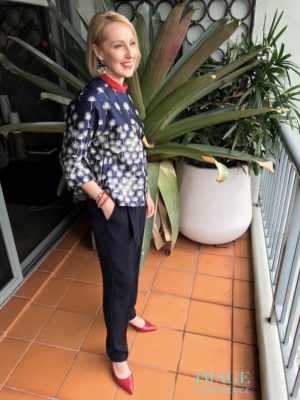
pixel 102 142
pixel 119 244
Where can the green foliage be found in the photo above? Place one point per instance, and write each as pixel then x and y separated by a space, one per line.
pixel 264 85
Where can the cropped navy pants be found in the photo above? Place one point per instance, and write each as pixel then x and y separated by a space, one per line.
pixel 119 244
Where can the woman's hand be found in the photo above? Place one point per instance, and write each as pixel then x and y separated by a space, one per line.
pixel 150 207
pixel 108 208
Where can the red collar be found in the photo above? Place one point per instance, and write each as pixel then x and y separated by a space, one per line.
pixel 114 84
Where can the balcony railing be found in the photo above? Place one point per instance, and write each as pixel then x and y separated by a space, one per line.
pixel 279 202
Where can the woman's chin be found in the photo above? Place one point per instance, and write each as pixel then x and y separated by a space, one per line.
pixel 128 74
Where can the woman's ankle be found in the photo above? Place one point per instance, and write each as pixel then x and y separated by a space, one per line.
pixel 118 363
pixel 121 369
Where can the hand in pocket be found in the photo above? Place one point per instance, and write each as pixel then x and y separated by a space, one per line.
pixel 108 208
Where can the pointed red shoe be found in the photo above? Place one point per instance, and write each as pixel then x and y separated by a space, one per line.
pixel 126 383
pixel 148 327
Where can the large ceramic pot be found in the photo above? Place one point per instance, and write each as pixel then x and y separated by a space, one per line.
pixel 212 212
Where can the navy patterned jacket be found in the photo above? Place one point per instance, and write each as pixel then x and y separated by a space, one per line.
pixel 103 142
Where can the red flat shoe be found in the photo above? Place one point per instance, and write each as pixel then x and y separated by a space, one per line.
pixel 148 327
pixel 125 383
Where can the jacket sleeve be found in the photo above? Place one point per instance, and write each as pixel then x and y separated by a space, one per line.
pixel 80 123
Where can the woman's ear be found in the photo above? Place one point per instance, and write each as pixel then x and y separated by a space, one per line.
pixel 96 51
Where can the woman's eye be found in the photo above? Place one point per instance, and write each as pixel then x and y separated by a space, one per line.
pixel 120 45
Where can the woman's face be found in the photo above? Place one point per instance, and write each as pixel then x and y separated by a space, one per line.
pixel 119 51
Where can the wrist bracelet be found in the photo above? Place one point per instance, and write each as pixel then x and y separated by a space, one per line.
pixel 99 197
pixel 100 202
pixel 100 194
pixel 104 201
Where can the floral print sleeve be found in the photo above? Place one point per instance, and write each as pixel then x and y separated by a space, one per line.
pixel 80 124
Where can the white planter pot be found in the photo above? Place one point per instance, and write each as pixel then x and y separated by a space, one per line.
pixel 212 212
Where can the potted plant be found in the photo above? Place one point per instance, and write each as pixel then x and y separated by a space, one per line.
pixel 214 213
pixel 162 88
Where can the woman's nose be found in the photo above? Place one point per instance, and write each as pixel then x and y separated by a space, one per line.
pixel 129 52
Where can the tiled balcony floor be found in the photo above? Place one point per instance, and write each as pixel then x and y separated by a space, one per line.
pixel 201 298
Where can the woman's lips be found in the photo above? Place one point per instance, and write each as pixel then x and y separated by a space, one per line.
pixel 128 65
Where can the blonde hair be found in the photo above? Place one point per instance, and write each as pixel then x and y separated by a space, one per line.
pixel 96 36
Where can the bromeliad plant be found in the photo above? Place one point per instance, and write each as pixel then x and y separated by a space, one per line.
pixel 162 88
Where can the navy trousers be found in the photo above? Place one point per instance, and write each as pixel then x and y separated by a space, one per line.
pixel 119 244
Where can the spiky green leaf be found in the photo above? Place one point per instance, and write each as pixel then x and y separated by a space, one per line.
pixel 153 171
pixel 143 28
pixel 78 64
pixel 209 118
pixel 186 66
pixel 36 80
pixel 199 152
pixel 83 18
pixel 167 184
pixel 51 127
pixel 53 66
pixel 164 51
pixel 58 99
pixel 135 91
pixel 185 95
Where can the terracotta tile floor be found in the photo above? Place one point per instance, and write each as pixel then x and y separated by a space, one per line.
pixel 201 298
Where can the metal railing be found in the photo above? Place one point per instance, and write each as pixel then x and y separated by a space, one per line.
pixel 279 200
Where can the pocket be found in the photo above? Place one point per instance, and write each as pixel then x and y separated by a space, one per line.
pixel 113 212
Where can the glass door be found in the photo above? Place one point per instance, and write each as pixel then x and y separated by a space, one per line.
pixel 10 269
pixel 5 270
pixel 30 171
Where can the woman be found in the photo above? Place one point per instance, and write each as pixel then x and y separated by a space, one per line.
pixel 103 159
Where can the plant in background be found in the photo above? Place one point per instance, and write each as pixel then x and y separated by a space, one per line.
pixel 262 86
pixel 162 88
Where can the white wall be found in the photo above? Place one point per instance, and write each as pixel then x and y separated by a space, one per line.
pixel 290 38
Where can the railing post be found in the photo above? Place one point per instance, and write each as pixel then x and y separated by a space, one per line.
pixel 279 202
